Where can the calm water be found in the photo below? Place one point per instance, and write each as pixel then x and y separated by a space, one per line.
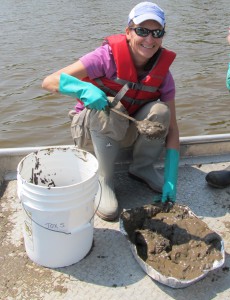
pixel 40 37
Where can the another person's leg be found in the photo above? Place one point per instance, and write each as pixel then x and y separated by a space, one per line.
pixel 219 179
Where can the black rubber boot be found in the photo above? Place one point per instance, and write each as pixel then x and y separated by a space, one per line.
pixel 218 179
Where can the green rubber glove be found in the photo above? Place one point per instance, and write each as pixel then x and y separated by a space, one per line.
pixel 170 175
pixel 228 78
pixel 89 94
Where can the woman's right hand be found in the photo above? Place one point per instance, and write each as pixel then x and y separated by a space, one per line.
pixel 88 93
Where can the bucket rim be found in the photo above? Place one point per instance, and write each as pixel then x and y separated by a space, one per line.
pixel 52 149
pixel 55 187
pixel 59 148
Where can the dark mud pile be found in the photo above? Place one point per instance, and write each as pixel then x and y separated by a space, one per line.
pixel 172 241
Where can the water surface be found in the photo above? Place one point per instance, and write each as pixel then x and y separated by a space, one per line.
pixel 40 37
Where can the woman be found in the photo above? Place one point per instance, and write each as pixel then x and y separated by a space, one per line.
pixel 133 67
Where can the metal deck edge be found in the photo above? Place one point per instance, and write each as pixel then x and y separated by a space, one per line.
pixel 208 148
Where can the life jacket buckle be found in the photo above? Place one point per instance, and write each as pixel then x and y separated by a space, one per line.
pixel 135 85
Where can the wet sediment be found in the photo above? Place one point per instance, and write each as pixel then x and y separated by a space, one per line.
pixel 151 130
pixel 173 241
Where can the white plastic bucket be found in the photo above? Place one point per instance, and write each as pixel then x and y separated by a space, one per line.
pixel 57 189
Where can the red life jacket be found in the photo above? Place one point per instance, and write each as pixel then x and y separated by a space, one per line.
pixel 135 93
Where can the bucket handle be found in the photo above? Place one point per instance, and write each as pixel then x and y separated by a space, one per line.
pixel 98 202
pixel 40 224
pixel 58 230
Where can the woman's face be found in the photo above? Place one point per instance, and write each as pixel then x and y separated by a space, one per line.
pixel 143 48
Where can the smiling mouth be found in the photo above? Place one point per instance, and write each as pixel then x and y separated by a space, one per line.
pixel 147 47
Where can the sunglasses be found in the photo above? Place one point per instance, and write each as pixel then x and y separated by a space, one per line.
pixel 143 32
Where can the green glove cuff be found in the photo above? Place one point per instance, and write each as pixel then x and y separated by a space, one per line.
pixel 92 96
pixel 171 165
pixel 170 176
pixel 69 85
pixel 228 78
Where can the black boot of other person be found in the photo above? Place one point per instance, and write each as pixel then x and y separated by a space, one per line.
pixel 218 179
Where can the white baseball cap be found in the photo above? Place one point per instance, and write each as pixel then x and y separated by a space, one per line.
pixel 147 11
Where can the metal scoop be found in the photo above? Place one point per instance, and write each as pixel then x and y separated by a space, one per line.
pixel 151 129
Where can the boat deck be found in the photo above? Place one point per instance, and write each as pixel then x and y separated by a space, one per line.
pixel 110 271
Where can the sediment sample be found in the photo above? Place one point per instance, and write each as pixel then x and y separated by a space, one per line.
pixel 173 241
